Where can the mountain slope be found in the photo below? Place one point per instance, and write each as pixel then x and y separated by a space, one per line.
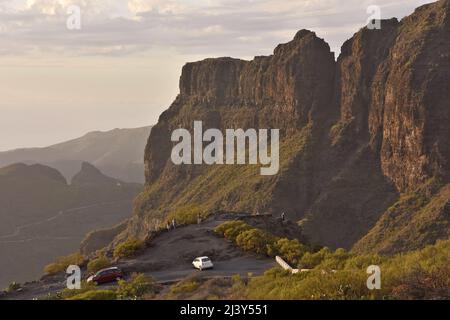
pixel 24 192
pixel 118 153
pixel 418 217
pixel 42 217
pixel 355 134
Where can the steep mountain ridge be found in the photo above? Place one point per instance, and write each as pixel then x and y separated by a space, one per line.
pixel 355 134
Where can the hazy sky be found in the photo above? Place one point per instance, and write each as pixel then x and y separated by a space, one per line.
pixel 121 69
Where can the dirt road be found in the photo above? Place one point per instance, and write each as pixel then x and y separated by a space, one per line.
pixel 171 253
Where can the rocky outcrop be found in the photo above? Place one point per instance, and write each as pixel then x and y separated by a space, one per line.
pixel 355 133
pixel 414 99
pixel 90 175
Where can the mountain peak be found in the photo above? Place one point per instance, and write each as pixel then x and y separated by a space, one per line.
pixel 35 170
pixel 303 33
pixel 89 168
pixel 90 175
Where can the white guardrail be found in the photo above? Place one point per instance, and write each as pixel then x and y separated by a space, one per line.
pixel 287 267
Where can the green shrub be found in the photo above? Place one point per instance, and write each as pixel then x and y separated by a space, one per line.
pixel 187 286
pixel 69 293
pixel 97 264
pixel 255 240
pixel 311 260
pixel 62 263
pixel 95 295
pixel 232 229
pixel 317 285
pixel 259 241
pixel 136 287
pixel 335 260
pixel 362 261
pixel 187 214
pixel 128 249
pixel 290 250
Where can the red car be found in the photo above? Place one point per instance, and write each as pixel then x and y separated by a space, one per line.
pixel 106 275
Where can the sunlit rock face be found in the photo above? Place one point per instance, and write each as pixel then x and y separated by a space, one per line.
pixel 355 133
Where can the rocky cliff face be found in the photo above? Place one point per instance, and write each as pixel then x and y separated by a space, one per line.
pixel 355 133
pixel 282 91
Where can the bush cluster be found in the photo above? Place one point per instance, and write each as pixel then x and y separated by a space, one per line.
pixel 98 263
pixel 261 242
pixel 62 263
pixel 95 295
pixel 136 287
pixel 421 274
pixel 186 286
pixel 186 215
pixel 128 249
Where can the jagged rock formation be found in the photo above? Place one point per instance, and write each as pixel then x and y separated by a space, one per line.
pixel 90 175
pixel 355 134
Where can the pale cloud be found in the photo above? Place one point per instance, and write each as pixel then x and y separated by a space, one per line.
pixel 138 6
pixel 161 6
pixel 210 27
pixel 122 68
pixel 49 7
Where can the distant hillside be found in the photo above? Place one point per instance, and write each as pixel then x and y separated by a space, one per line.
pixel 42 217
pixel 118 153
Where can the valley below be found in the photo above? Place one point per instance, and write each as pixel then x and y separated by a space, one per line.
pixel 27 250
pixel 42 217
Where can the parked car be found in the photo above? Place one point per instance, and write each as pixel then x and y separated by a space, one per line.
pixel 106 275
pixel 202 263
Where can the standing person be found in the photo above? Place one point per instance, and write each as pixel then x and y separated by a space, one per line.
pixel 168 226
pixel 283 217
pixel 174 224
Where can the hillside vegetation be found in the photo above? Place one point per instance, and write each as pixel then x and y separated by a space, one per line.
pixel 421 274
